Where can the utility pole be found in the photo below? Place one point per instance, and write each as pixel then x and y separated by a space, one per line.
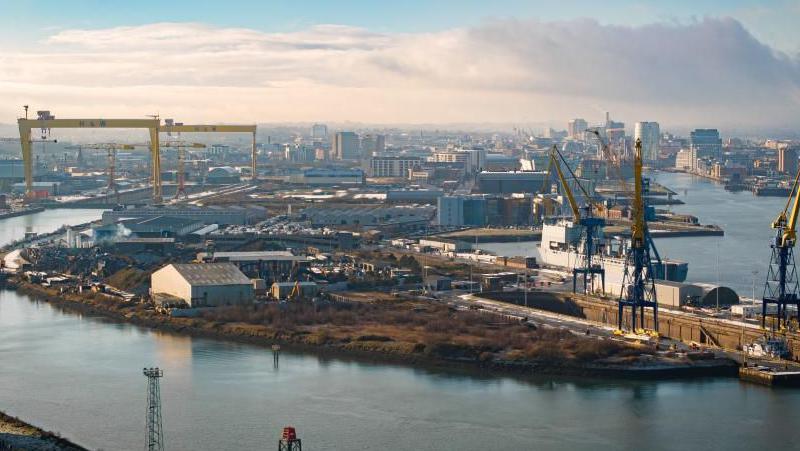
pixel 155 432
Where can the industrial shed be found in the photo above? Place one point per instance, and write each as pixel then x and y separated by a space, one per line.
pixel 203 285
pixel 677 294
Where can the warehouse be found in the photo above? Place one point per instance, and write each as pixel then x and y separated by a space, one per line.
pixel 203 285
pixel 268 265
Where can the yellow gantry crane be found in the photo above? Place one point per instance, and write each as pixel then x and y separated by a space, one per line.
pixel 180 190
pixel 170 126
pixel 638 282
pixel 45 121
pixel 781 285
pixel 111 158
pixel 591 226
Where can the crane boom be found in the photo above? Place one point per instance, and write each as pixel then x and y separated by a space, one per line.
pixel 638 227
pixel 789 227
pixel 573 204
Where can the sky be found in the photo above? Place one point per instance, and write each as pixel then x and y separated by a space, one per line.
pixel 703 63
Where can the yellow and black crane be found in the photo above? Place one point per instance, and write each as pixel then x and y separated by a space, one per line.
pixel 591 226
pixel 638 282
pixel 781 285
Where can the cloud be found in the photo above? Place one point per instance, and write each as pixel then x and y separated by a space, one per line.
pixel 711 72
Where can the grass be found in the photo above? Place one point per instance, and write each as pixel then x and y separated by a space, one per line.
pixel 415 327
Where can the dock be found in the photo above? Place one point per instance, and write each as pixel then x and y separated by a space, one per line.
pixel 769 376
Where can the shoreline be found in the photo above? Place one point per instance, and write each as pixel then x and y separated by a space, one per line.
pixel 17 434
pixel 234 332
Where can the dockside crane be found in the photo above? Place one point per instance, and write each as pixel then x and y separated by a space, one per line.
pixel 180 191
pixel 638 284
pixel 111 160
pixel 591 226
pixel 781 285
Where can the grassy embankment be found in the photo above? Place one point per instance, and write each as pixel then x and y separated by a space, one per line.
pixel 403 331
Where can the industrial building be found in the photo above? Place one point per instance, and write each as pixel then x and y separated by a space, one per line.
pixel 267 265
pixel 510 182
pixel 282 290
pixel 369 216
pixel 203 285
pixel 147 227
pixel 212 214
pixel 324 176
pixel 461 211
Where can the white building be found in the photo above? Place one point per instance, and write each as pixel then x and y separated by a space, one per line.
pixel 203 284
pixel 576 128
pixel 650 135
pixel 392 166
pixel 686 160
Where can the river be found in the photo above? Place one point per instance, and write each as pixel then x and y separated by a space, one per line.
pixel 730 260
pixel 44 222
pixel 82 376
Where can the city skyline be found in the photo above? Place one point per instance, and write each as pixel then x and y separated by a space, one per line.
pixel 682 66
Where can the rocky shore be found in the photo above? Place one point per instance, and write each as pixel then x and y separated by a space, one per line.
pixel 16 434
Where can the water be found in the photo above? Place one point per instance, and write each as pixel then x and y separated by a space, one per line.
pixel 82 377
pixel 44 222
pixel 746 220
pixel 743 250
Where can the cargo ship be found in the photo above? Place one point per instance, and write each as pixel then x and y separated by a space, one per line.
pixel 561 247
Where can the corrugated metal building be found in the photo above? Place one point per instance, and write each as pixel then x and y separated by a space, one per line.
pixel 204 284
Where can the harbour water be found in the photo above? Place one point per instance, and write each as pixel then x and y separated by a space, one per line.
pixel 81 376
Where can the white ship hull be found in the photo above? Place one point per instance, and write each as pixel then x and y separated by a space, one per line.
pixel 559 248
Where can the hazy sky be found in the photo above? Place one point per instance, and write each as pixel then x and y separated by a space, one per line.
pixel 704 63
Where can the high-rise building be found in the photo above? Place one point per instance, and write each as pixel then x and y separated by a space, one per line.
pixel 706 142
pixel 787 160
pixel 650 135
pixel 576 127
pixel 345 146
pixel 319 131
pixel 372 144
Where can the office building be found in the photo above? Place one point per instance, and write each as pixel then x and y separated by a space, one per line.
pixel 392 166
pixel 650 135
pixel 706 142
pixel 319 131
pixel 686 160
pixel 372 145
pixel 576 128
pixel 346 146
pixel 787 160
